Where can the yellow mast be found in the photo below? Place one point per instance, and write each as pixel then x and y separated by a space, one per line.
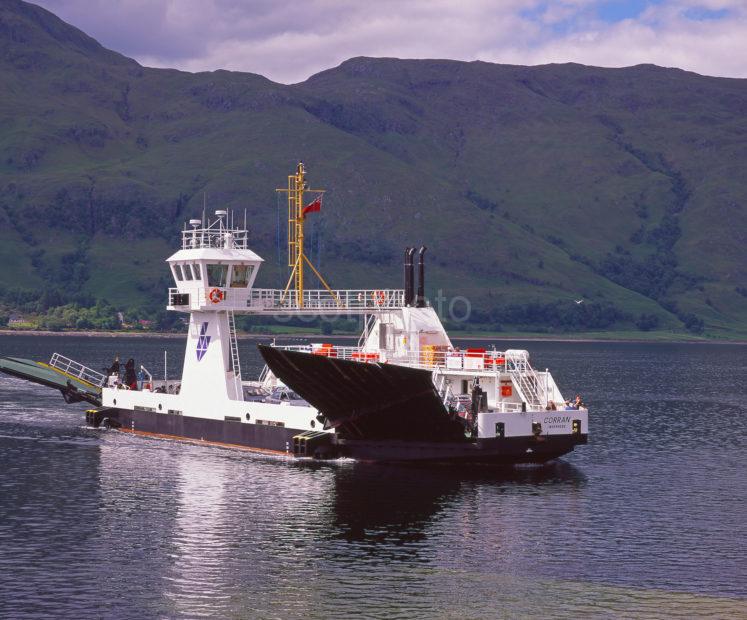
pixel 297 185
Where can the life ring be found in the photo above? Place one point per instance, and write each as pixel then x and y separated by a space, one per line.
pixel 216 295
pixel 378 297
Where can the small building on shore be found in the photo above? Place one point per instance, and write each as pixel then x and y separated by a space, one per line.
pixel 16 319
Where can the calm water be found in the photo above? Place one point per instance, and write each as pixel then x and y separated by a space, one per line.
pixel 648 520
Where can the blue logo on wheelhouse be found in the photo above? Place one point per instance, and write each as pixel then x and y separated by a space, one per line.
pixel 202 342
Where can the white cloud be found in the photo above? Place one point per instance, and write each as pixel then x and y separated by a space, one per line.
pixel 287 40
pixel 663 35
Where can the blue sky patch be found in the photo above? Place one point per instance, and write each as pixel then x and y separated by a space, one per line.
pixel 613 11
pixel 701 14
pixel 610 11
pixel 618 10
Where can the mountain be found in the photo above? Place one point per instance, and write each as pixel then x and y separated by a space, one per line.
pixel 533 187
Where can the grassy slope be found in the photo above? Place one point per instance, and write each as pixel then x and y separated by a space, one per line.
pixel 488 165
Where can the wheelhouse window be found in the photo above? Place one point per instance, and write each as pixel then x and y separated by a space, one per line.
pixel 197 269
pixel 187 272
pixel 178 272
pixel 216 275
pixel 240 275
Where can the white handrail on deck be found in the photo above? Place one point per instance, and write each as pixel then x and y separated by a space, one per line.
pixel 77 370
pixel 427 359
pixel 277 300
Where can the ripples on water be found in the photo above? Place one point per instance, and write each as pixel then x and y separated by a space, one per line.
pixel 648 520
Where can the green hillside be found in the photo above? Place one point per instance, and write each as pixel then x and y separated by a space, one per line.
pixel 533 187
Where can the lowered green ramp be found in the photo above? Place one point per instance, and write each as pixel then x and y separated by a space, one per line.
pixel 74 389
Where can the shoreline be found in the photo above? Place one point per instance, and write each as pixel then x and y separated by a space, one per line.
pixel 575 338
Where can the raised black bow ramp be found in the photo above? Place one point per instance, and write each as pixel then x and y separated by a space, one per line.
pixel 367 400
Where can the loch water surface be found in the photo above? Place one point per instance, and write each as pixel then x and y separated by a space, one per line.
pixel 648 520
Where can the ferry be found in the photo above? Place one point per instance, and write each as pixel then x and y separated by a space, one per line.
pixel 403 392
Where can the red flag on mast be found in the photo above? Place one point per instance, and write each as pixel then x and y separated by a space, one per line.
pixel 312 207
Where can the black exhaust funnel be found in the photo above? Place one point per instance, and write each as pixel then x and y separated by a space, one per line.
pixel 408 274
pixel 420 302
pixel 409 277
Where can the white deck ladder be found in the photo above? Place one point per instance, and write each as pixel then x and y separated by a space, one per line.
pixel 235 361
pixel 443 387
pixel 369 320
pixel 527 381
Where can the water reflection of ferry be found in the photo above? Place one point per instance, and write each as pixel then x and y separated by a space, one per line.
pixel 364 510
pixel 404 393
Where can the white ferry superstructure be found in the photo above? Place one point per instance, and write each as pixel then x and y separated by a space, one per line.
pixel 404 392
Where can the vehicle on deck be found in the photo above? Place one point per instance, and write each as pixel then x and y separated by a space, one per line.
pixel 282 394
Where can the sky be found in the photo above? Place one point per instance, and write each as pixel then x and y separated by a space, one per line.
pixel 288 40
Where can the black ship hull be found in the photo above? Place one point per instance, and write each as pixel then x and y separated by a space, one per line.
pixel 230 433
pixel 499 451
pixel 280 440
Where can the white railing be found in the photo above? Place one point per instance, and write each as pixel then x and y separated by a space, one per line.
pixel 215 238
pixel 219 233
pixel 322 299
pixel 77 370
pixel 428 359
pixel 276 301
pixel 201 297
